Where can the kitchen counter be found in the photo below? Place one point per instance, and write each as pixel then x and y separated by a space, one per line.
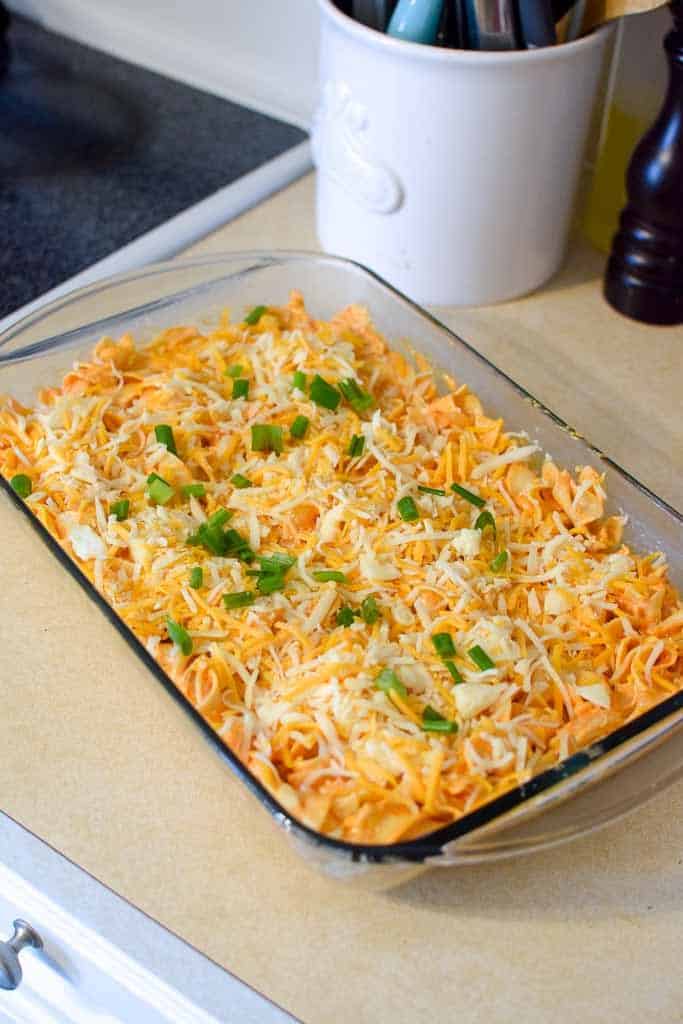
pixel 112 773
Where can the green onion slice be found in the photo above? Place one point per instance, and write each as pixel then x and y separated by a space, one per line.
pixel 159 491
pixel 358 399
pixel 267 582
pixel 299 380
pixel 431 490
pixel 238 547
pixel 194 490
pixel 240 388
pixel 219 518
pixel 473 499
pixel 239 600
pixel 266 437
pixel 164 435
pixel 455 675
pixel 500 561
pixel 299 427
pixel 324 394
pixel 329 576
pixel 356 446
pixel 387 680
pixel 21 485
pixel 120 509
pixel 484 520
pixel 277 562
pixel 345 616
pixel 480 658
pixel 240 481
pixel 234 371
pixel 253 318
pixel 443 645
pixel 271 576
pixel 180 637
pixel 407 509
pixel 432 721
pixel 369 611
pixel 197 577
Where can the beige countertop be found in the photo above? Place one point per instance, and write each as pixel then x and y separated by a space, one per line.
pixel 105 767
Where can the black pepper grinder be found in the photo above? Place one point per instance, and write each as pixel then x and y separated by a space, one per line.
pixel 644 276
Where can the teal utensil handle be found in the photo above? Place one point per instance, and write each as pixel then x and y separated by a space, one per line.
pixel 416 20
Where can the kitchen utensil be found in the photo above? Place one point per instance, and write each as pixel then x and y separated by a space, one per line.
pixel 373 13
pixel 416 21
pixel 644 277
pixel 490 25
pixel 534 816
pixel 424 166
pixel 444 34
pixel 536 23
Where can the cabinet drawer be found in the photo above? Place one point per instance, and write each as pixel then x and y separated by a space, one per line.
pixel 145 975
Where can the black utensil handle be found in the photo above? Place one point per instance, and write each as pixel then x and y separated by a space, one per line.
pixel 536 23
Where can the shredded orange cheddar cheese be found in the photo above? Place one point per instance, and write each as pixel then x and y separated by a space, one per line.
pixel 583 633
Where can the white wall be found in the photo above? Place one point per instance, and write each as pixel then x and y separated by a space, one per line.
pixel 263 52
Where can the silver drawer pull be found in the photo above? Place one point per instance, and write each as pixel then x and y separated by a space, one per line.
pixel 10 968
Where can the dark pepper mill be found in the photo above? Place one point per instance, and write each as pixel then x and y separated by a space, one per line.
pixel 644 276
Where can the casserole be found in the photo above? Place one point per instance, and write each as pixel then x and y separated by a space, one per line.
pixel 241 281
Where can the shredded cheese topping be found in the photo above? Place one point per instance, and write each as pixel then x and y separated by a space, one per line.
pixel 582 633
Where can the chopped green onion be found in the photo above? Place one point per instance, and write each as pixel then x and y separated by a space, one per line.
pixel 120 509
pixel 324 394
pixel 240 388
pixel 194 490
pixel 299 380
pixel 234 371
pixel 359 400
pixel 431 490
pixel 239 600
pixel 159 491
pixel 369 611
pixel 485 519
pixel 268 582
pixel 180 637
pixel 211 535
pixel 299 427
pixel 266 438
pixel 227 543
pixel 455 675
pixel 473 499
pixel 500 561
pixel 443 645
pixel 345 616
pixel 432 721
pixel 356 446
pixel 407 509
pixel 21 485
pixel 219 518
pixel 253 318
pixel 240 481
pixel 277 562
pixel 329 576
pixel 237 547
pixel 197 577
pixel 271 576
pixel 480 658
pixel 387 680
pixel 164 435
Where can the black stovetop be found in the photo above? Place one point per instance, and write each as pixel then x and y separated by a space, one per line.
pixel 95 152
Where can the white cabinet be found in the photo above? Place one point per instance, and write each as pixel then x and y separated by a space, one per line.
pixel 103 961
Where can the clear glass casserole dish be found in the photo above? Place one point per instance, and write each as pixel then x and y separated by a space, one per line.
pixel 604 780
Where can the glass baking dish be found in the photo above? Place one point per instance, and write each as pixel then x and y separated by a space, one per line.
pixel 605 780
